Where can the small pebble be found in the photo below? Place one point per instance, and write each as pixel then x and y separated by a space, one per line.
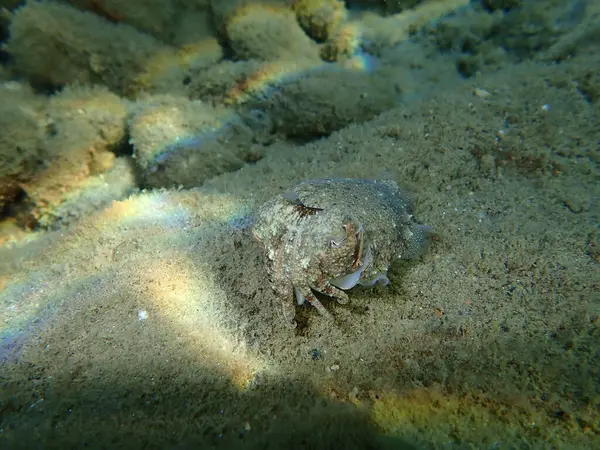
pixel 481 93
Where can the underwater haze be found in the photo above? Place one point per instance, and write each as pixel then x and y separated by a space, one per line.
pixel 300 224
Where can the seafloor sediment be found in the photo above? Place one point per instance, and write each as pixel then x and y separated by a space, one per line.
pixel 136 143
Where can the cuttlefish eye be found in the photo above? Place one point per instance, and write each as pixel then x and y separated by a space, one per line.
pixel 256 235
pixel 339 239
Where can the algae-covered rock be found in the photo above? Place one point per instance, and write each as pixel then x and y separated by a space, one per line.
pixel 86 127
pixel 302 98
pixel 53 149
pixel 22 133
pixel 56 44
pixel 219 82
pixel 386 6
pixel 268 33
pixel 324 99
pixel 223 10
pixel 494 5
pixel 172 70
pixel 155 17
pixel 320 19
pixel 95 193
pixel 181 142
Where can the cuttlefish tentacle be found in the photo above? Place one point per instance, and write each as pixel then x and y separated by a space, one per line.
pixel 329 289
pixel 380 279
pixel 304 293
pixel 288 311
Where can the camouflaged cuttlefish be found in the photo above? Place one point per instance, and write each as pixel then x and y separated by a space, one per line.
pixel 329 235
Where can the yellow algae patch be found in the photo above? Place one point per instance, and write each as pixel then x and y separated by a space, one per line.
pixel 250 8
pixel 200 54
pixel 88 123
pixel 268 32
pixel 12 233
pixel 470 418
pixel 320 18
pixel 345 43
pixel 167 68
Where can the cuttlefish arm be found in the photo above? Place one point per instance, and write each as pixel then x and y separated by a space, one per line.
pixel 350 280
